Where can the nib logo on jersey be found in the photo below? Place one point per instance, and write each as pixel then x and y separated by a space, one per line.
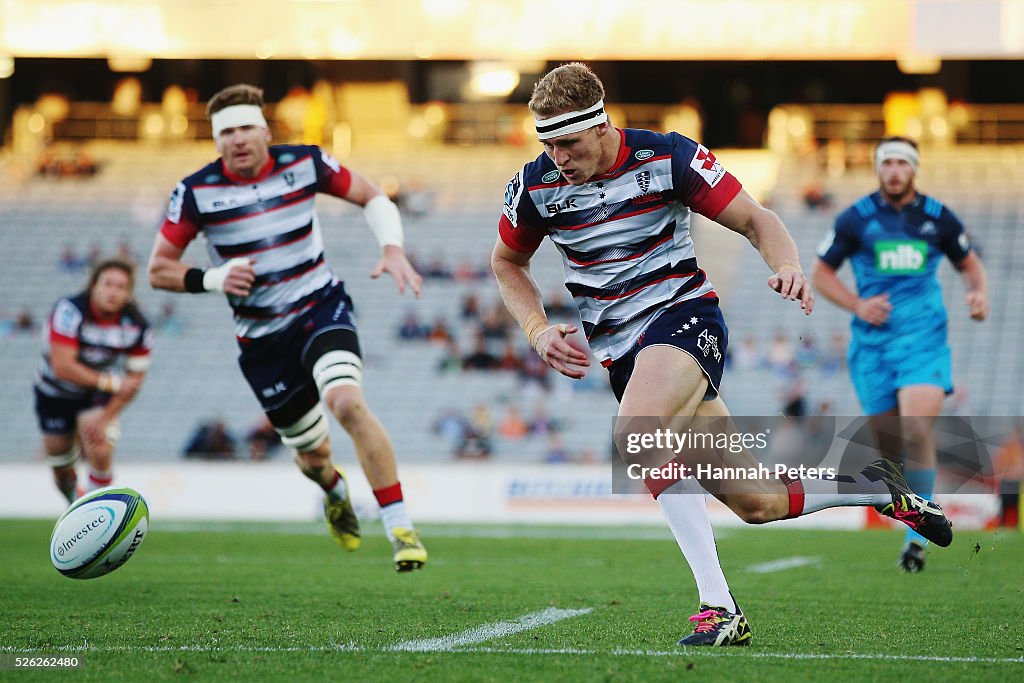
pixel 901 257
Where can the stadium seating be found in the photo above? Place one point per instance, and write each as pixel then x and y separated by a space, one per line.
pixel 194 376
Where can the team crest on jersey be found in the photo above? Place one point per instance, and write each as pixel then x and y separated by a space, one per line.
pixel 551 176
pixel 644 154
pixel 289 177
pixel 705 163
pixel 643 179
pixel 927 228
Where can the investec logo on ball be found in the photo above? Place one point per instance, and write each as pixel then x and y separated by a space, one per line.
pixel 901 257
pixel 96 522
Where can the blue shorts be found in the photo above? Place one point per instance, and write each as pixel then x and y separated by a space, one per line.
pixel 59 416
pixel 879 371
pixel 279 366
pixel 695 326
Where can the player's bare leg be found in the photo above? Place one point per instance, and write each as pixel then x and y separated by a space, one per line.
pixel 648 394
pixel 62 454
pixel 98 450
pixel 377 457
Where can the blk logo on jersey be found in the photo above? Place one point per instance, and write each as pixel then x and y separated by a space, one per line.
pixel 270 392
pixel 898 257
pixel 556 207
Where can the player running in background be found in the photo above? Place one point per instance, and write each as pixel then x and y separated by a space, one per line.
pixel 617 205
pixel 899 355
pixel 95 355
pixel 293 320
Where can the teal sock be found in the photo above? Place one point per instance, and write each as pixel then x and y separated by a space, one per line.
pixel 922 482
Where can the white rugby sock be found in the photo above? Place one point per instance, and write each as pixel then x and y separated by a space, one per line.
pixel 395 515
pixel 685 507
pixel 98 479
pixel 338 490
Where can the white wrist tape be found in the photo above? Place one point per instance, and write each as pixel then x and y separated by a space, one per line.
pixel 384 220
pixel 213 278
pixel 109 383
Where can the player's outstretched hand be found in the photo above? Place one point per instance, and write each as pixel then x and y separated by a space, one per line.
pixel 393 261
pixel 560 354
pixel 977 304
pixel 874 310
pixel 792 285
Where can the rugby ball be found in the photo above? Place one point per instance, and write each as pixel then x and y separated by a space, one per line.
pixel 99 532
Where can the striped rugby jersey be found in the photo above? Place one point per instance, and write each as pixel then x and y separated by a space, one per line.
pixel 102 345
pixel 624 236
pixel 271 219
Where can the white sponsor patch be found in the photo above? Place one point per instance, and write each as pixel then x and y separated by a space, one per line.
pixel 705 163
pixel 175 203
pixel 66 319
pixel 513 193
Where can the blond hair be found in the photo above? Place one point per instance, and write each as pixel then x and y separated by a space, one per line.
pixel 570 87
pixel 234 94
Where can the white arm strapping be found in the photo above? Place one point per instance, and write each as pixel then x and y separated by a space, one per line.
pixel 213 278
pixel 384 220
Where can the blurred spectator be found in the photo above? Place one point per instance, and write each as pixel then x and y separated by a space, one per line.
pixel 440 331
pixel 411 328
pixel 806 354
pixel 451 426
pixel 556 452
pixel 211 441
pixel 70 261
pixel 262 440
pixel 815 197
pixel 541 423
pixel 481 358
pixel 512 425
pixel 24 322
pixel 452 359
pixel 510 359
pixel 534 372
pixel 833 359
pixel 474 446
pixel 480 421
pixel 495 324
pixel 794 398
pixel 470 307
pixel 437 270
pixel 746 355
pixel 780 352
pixel 466 271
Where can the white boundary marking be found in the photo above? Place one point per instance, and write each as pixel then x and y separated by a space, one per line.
pixel 782 564
pixel 498 629
pixel 746 653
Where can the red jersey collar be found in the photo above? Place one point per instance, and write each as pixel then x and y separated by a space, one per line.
pixel 619 159
pixel 242 180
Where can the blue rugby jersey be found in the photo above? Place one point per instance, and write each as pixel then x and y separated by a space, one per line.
pixel 897 252
pixel 624 236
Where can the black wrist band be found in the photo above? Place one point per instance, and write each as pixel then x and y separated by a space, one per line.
pixel 194 281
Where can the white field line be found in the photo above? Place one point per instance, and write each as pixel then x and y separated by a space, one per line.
pixel 744 653
pixel 782 565
pixel 499 629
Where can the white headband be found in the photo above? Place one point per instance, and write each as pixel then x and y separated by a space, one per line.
pixel 897 149
pixel 571 122
pixel 236 116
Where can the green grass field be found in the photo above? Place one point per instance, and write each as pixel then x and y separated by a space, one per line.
pixel 265 602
